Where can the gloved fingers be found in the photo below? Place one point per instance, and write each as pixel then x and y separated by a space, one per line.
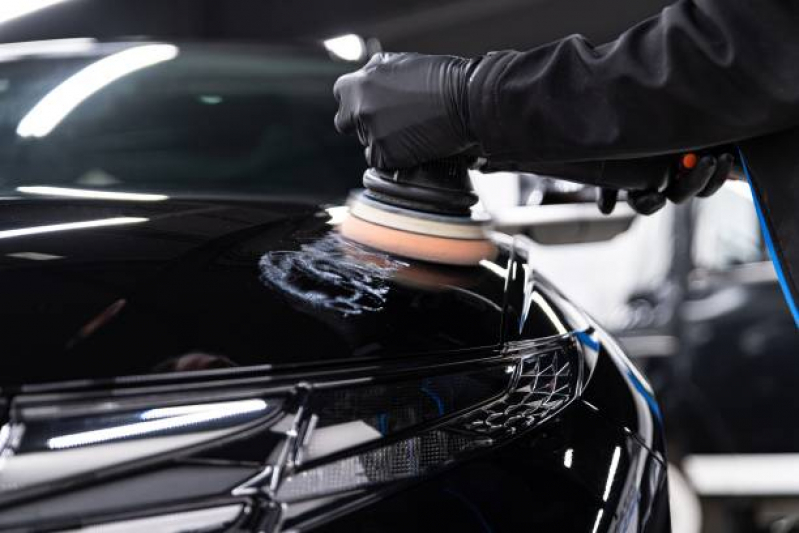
pixel 723 168
pixel 687 183
pixel 361 132
pixel 374 100
pixel 384 58
pixel 377 59
pixel 646 202
pixel 343 123
pixel 606 200
pixel 376 157
pixel 344 119
pixel 346 81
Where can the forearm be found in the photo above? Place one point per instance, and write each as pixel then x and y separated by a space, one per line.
pixel 699 74
pixel 636 174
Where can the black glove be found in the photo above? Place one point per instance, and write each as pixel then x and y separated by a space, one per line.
pixel 407 109
pixel 684 179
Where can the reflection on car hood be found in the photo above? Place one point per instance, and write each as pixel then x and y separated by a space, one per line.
pixel 96 288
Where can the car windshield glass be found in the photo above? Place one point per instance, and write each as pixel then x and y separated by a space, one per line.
pixel 178 119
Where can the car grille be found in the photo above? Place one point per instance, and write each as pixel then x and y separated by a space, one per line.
pixel 545 384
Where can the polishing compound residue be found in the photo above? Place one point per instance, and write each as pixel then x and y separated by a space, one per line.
pixel 332 273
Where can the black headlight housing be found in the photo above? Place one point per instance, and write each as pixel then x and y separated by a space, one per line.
pixel 267 449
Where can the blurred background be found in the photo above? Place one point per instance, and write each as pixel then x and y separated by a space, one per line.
pixel 690 291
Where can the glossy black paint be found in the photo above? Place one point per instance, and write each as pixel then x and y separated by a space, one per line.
pixel 617 414
pixel 617 386
pixel 614 417
pixel 581 471
pixel 187 289
pixel 525 486
pixel 561 477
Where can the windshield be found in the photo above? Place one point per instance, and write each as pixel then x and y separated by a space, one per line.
pixel 178 119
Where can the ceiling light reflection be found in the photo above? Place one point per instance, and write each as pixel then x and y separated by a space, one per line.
pixel 35 256
pixel 244 406
pixel 614 465
pixel 338 214
pixel 495 268
pixel 10 10
pixel 349 47
pixel 208 413
pixel 211 99
pixel 597 521
pixel 59 102
pixel 12 51
pixel 68 226
pixel 90 194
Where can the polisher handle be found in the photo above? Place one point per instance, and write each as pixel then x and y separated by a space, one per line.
pixel 441 186
pixel 450 174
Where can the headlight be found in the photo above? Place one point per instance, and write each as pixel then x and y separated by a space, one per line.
pixel 263 446
pixel 465 412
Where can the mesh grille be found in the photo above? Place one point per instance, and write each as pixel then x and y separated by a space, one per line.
pixel 545 383
pixel 403 459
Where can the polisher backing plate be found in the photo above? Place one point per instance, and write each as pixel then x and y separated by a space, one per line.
pixel 416 235
pixel 453 227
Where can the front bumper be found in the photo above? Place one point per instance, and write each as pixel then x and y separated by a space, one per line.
pixel 599 466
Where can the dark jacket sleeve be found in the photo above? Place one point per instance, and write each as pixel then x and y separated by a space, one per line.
pixel 700 74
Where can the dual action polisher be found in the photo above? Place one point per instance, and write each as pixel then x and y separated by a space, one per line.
pixel 420 213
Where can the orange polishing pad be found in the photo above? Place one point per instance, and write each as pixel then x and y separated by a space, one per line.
pixel 416 245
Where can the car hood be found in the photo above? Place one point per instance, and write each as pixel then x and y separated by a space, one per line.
pixel 96 289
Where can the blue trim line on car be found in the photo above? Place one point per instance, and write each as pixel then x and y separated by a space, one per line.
pixel 436 398
pixel 786 289
pixel 648 398
pixel 587 340
pixel 382 423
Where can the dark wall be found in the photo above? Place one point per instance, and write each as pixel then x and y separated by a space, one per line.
pixel 454 26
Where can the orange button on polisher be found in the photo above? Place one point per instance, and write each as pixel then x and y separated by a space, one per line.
pixel 689 161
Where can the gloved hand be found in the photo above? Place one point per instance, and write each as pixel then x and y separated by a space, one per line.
pixel 685 178
pixel 407 109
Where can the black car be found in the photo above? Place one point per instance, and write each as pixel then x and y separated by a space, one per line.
pixel 189 345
